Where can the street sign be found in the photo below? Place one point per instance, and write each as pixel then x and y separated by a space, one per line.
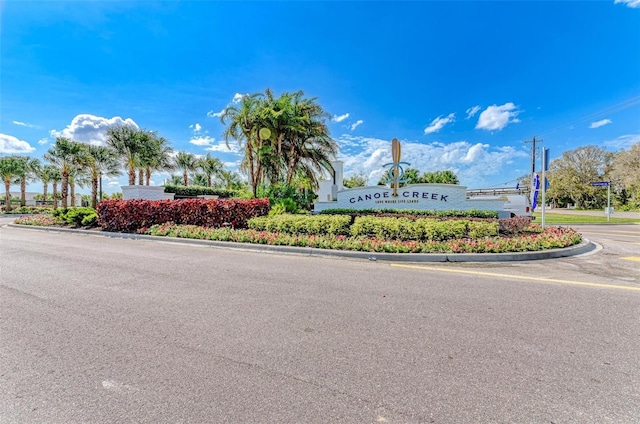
pixel 601 184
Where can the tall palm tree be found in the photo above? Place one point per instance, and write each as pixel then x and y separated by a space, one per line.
pixel 56 178
pixel 156 156
pixel 103 161
pixel 210 166
pixel 9 169
pixel 78 177
pixel 127 141
pixel 244 126
pixel 186 162
pixel 47 174
pixel 29 169
pixel 66 155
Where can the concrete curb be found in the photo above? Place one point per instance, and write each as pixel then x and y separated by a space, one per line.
pixel 584 247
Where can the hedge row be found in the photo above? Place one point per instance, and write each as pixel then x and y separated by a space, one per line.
pixel 422 229
pixel 132 215
pixel 471 213
pixel 377 227
pixel 303 224
pixel 199 191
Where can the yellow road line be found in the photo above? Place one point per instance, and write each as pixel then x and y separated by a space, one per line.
pixel 631 258
pixel 518 277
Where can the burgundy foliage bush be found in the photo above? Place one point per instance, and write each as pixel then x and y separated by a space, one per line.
pixel 515 225
pixel 129 216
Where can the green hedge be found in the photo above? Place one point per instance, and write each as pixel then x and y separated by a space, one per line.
pixel 421 229
pixel 302 224
pixel 77 217
pixel 199 191
pixel 471 213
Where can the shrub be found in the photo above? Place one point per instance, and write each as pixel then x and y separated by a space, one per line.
pixel 302 224
pixel 515 225
pixel 77 217
pixel 132 215
pixel 421 229
pixel 199 191
pixel 284 206
pixel 471 213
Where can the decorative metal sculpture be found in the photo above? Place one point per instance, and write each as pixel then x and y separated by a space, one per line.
pixel 395 174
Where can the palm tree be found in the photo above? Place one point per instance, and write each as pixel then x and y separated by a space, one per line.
pixel 9 169
pixel 199 180
pixel 210 166
pixel 156 156
pixel 103 162
pixel 56 177
pixel 66 155
pixel 127 141
pixel 29 169
pixel 244 127
pixel 47 175
pixel 186 162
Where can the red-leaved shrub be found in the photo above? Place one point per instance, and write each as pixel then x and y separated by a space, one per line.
pixel 515 225
pixel 131 215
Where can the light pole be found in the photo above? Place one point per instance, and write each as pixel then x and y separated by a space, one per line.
pixel 100 186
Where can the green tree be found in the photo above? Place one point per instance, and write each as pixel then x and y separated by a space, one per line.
pixel 9 169
pixel 49 174
pixel 571 175
pixel 157 156
pixel 103 161
pixel 210 167
pixel 127 142
pixel 356 180
pixel 29 168
pixel 185 162
pixel 625 175
pixel 66 155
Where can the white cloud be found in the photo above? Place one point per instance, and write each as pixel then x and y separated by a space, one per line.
pixel 356 124
pixel 212 114
pixel 203 141
pixel 472 111
pixel 622 142
pixel 23 124
pixel 91 129
pixel 43 141
pixel 629 3
pixel 340 118
pixel 237 98
pixel 497 117
pixel 600 123
pixel 11 144
pixel 113 183
pixel 473 163
pixel 195 127
pixel 437 124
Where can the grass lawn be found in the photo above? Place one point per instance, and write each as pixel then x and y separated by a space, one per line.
pixel 557 218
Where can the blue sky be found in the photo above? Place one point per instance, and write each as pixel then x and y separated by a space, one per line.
pixel 460 84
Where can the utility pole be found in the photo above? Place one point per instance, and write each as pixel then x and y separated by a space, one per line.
pixel 534 193
pixel 533 154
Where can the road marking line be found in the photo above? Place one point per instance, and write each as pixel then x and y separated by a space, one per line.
pixel 617 234
pixel 519 277
pixel 620 241
pixel 631 258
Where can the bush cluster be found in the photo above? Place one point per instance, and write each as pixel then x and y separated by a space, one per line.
pixel 29 210
pixel 550 238
pixel 471 213
pixel 421 229
pixel 131 215
pixel 199 191
pixel 303 224
pixel 77 217
pixel 379 227
pixel 515 225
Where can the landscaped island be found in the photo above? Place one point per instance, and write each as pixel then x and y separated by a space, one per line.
pixel 248 221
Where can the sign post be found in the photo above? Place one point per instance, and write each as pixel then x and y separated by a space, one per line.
pixel 608 185
pixel 545 166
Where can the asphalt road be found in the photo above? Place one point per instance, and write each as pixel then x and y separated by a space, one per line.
pixel 104 330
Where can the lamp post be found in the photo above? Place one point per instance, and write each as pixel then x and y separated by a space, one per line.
pixel 100 186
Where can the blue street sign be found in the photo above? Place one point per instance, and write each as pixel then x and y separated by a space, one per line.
pixel 601 184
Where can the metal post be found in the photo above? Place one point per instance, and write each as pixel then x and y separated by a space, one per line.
pixel 609 201
pixel 544 184
pixel 100 187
